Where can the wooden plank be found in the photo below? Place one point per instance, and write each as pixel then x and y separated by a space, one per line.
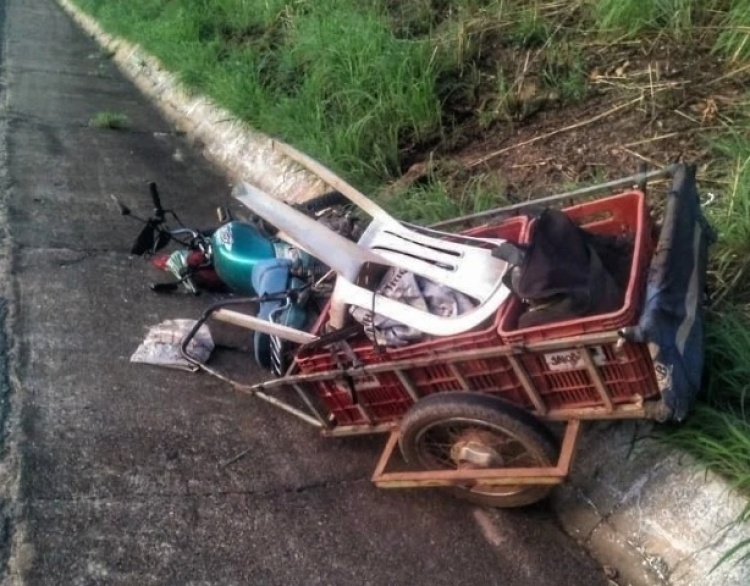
pixel 250 322
pixel 569 445
pixel 485 476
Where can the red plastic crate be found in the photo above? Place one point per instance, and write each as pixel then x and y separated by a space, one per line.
pixel 382 398
pixel 624 214
pixel 626 372
pixel 562 379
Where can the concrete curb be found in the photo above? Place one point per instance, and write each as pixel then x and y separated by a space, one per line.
pixel 654 516
pixel 652 513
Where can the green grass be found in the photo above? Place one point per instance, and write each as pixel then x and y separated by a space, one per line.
pixel 442 198
pixel 734 39
pixel 110 120
pixel 353 83
pixel 637 16
pixel 731 255
pixel 328 76
pixel 564 71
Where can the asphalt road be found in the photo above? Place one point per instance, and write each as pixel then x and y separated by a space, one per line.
pixel 120 481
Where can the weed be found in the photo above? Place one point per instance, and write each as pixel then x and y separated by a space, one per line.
pixel 111 120
pixel 448 194
pixel 564 71
pixel 635 16
pixel 730 269
pixel 735 37
pixel 531 29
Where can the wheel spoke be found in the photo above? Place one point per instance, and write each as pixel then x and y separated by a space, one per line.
pixel 438 441
pixel 469 431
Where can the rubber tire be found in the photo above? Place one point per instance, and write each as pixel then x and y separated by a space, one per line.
pixel 535 437
pixel 321 202
pixel 309 208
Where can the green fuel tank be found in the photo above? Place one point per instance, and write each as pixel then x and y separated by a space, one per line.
pixel 237 247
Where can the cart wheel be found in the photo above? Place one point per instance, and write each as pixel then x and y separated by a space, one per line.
pixel 472 430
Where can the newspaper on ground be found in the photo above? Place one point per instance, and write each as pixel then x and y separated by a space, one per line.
pixel 162 345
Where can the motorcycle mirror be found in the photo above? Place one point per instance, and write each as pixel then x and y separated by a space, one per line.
pixel 124 210
pixel 155 199
pixel 162 239
pixel 144 242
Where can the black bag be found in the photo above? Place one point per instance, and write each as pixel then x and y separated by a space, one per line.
pixel 566 272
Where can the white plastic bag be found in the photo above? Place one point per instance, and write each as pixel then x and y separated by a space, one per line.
pixel 162 345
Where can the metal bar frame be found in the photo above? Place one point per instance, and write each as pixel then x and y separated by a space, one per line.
pixel 312 416
pixel 639 179
pixel 639 409
pixel 527 385
pixel 549 475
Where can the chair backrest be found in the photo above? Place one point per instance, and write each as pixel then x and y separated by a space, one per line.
pixel 470 269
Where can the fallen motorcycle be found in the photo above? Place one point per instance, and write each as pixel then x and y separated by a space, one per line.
pixel 246 258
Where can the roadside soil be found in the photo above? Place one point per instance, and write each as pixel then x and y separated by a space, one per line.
pixel 645 103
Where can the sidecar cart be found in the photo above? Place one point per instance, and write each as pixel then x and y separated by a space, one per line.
pixel 487 404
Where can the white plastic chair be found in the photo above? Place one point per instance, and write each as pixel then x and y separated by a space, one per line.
pixel 386 242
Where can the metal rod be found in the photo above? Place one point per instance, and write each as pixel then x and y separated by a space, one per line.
pixel 289 409
pixel 485 476
pixel 625 411
pixel 304 395
pixel 569 445
pixel 459 377
pixel 260 325
pixel 638 178
pixel 385 456
pixel 459 356
pixel 352 430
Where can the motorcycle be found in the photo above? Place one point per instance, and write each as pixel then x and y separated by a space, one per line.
pixel 245 258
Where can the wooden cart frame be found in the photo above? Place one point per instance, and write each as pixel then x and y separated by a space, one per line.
pixel 312 414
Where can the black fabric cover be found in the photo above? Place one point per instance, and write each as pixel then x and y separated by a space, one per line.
pixel 672 318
